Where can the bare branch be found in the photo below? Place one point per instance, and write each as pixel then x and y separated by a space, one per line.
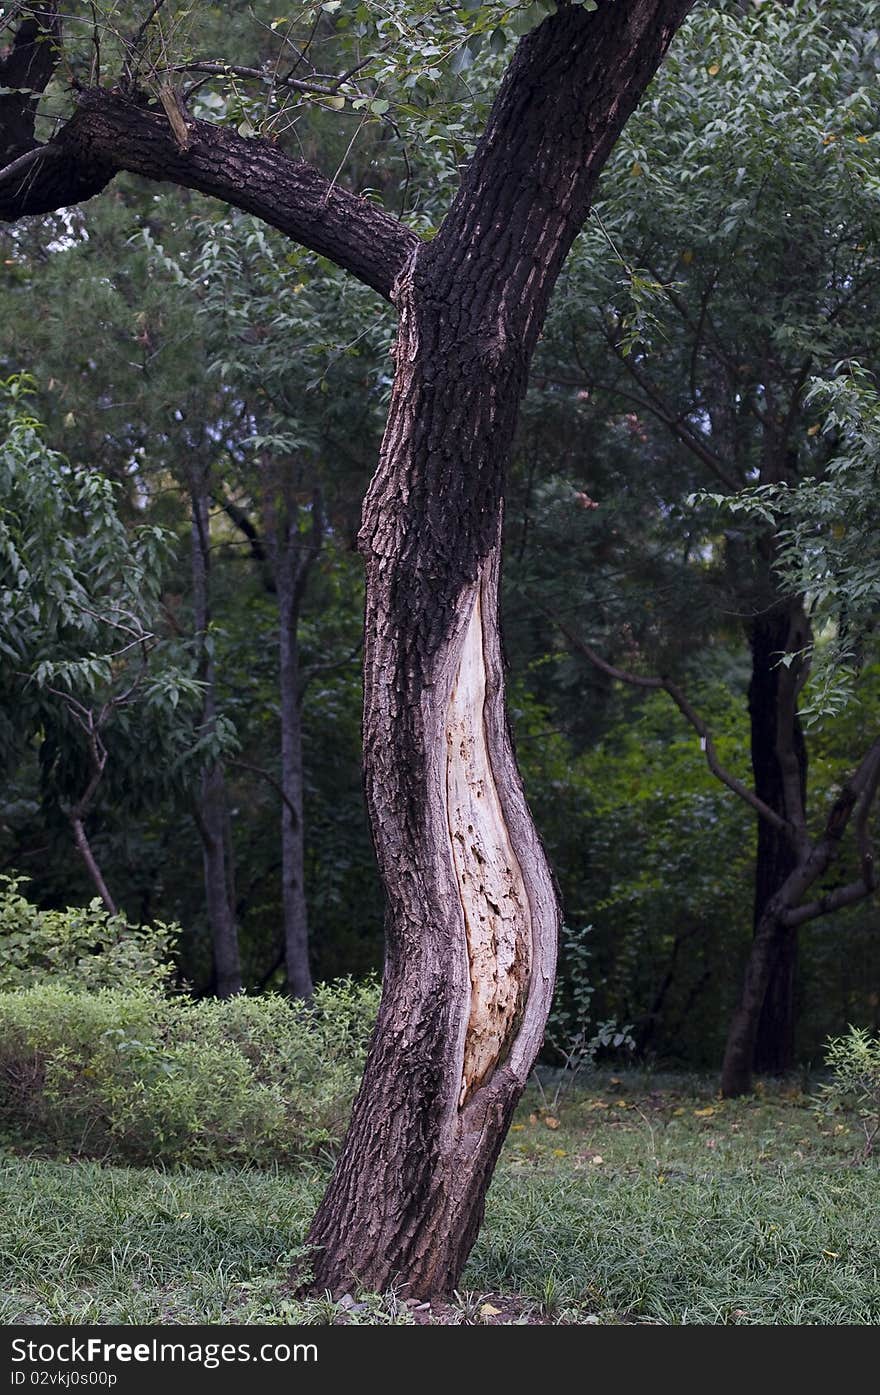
pixel 270 780
pixel 848 895
pixel 689 712
pixel 311 670
pixel 319 89
pixel 154 10
pixel 85 851
pixel 109 133
pixel 29 158
pixel 860 787
pixel 657 405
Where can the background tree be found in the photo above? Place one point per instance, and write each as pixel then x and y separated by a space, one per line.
pixel 734 256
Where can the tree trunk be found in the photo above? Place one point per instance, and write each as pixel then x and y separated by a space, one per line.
pixel 221 919
pixel 761 1035
pixel 84 848
pixel 739 1051
pixel 779 765
pixel 211 803
pixel 472 912
pixel 296 921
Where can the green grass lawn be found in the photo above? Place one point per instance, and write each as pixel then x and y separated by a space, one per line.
pixel 639 1199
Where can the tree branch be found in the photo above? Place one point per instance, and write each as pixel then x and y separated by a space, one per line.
pixel 861 786
pixel 109 133
pixel 23 163
pixel 245 526
pixel 270 780
pixel 848 895
pixel 655 403
pixel 690 714
pixel 24 72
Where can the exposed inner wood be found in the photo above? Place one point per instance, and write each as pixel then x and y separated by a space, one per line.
pixel 490 882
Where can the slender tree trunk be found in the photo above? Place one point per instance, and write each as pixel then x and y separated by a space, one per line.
pixel 779 764
pixel 761 1034
pixel 472 913
pixel 296 921
pixel 84 848
pixel 211 802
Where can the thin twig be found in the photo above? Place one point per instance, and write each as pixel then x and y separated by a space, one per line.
pixel 270 780
pixel 29 158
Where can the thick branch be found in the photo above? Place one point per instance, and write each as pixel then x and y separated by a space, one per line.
pixel 689 712
pixel 858 793
pixel 245 526
pixel 835 900
pixel 270 780
pixel 109 133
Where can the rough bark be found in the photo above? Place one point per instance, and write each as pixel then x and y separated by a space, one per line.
pixel 210 802
pixel 110 132
pixel 472 911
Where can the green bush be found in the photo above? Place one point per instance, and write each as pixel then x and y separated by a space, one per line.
pixel 854 1062
pixel 83 947
pixel 134 1076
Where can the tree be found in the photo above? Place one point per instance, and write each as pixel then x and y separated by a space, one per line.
pixel 87 678
pixel 472 913
pixel 827 554
pixel 735 255
pixel 257 298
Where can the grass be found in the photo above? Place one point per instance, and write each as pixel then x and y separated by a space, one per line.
pixel 640 1199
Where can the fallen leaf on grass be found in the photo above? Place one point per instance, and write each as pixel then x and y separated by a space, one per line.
pixel 487 1310
pixel 550 1122
pixel 704 1113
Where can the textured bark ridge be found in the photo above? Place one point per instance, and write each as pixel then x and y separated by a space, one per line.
pixel 495 908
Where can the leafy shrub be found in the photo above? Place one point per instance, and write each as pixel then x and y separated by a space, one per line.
pixel 854 1062
pixel 134 1076
pixel 572 1036
pixel 82 947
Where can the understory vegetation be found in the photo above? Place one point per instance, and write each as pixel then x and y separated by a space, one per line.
pixel 641 1199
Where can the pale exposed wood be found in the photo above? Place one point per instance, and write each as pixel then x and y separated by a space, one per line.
pixel 490 882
